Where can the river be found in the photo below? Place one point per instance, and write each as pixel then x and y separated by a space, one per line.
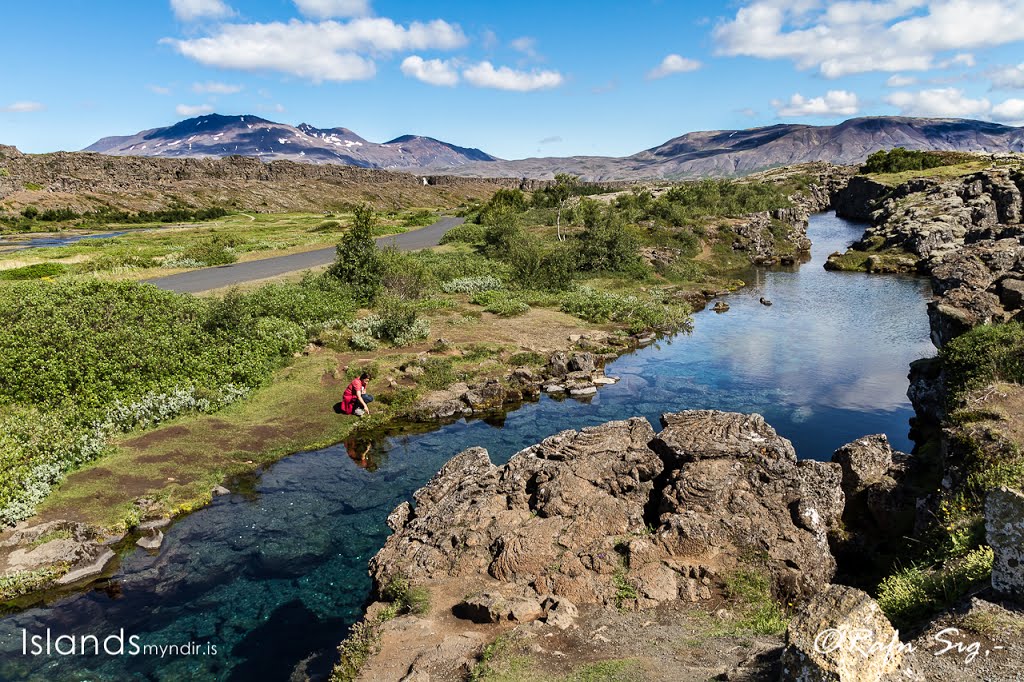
pixel 277 573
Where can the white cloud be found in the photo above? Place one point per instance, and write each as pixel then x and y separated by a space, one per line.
pixel 215 88
pixel 898 81
pixel 324 51
pixel 190 10
pixel 324 9
pixel 158 89
pixel 941 102
pixel 433 71
pixel 526 45
pixel 833 103
pixel 484 75
pixel 857 36
pixel 489 39
pixel 23 107
pixel 963 59
pixel 1011 110
pixel 190 110
pixel 671 64
pixel 1010 77
pixel 554 139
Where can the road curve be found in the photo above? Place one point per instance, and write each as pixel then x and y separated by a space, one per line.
pixel 226 275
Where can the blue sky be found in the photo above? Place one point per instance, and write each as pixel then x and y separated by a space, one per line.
pixel 515 79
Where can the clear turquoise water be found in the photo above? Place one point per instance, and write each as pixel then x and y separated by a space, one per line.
pixel 278 574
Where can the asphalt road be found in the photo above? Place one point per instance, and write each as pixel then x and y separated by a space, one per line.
pixel 236 273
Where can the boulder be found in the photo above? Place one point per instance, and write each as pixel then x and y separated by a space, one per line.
pixel 582 362
pixel 1004 529
pixel 560 612
pixel 486 397
pixel 1012 294
pixel 151 541
pixel 864 462
pixel 841 635
pixel 734 486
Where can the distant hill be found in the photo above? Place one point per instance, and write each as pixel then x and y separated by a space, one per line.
pixel 707 153
pixel 739 152
pixel 219 136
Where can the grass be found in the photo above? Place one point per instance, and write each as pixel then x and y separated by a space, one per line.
pixel 914 593
pixel 504 661
pixel 625 591
pixel 758 612
pixel 252 236
pixel 51 536
pixel 953 171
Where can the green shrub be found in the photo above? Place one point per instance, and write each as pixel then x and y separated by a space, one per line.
pixel 407 596
pixel 503 303
pixel 467 233
pixel 218 250
pixel 438 373
pixel 985 354
pixel 639 314
pixel 453 265
pixel 30 212
pixel 81 359
pixel 503 204
pixel 607 244
pixel 396 322
pixel 37 271
pixel 913 594
pixel 527 358
pixel 540 266
pixel 327 226
pixel 471 285
pixel 419 219
pixel 403 275
pixel 900 159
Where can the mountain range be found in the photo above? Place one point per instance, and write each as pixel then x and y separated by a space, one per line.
pixel 218 136
pixel 706 153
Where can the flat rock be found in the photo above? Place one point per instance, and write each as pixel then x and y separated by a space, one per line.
pixel 88 570
pixel 151 541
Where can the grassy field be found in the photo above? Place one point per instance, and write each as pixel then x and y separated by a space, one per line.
pixel 150 250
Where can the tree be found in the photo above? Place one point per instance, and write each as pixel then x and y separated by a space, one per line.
pixel 358 262
pixel 565 186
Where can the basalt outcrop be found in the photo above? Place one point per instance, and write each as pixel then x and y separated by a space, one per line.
pixel 619 515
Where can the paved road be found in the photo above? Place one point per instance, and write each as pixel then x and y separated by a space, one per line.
pixel 227 275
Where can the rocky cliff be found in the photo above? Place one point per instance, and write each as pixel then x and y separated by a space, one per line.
pixel 965 232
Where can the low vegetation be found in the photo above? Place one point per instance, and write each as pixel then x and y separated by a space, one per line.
pixel 900 159
pixel 914 593
pixel 180 354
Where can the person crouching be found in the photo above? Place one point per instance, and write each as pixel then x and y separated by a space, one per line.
pixel 355 399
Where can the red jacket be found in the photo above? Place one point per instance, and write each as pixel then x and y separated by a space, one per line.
pixel 349 401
